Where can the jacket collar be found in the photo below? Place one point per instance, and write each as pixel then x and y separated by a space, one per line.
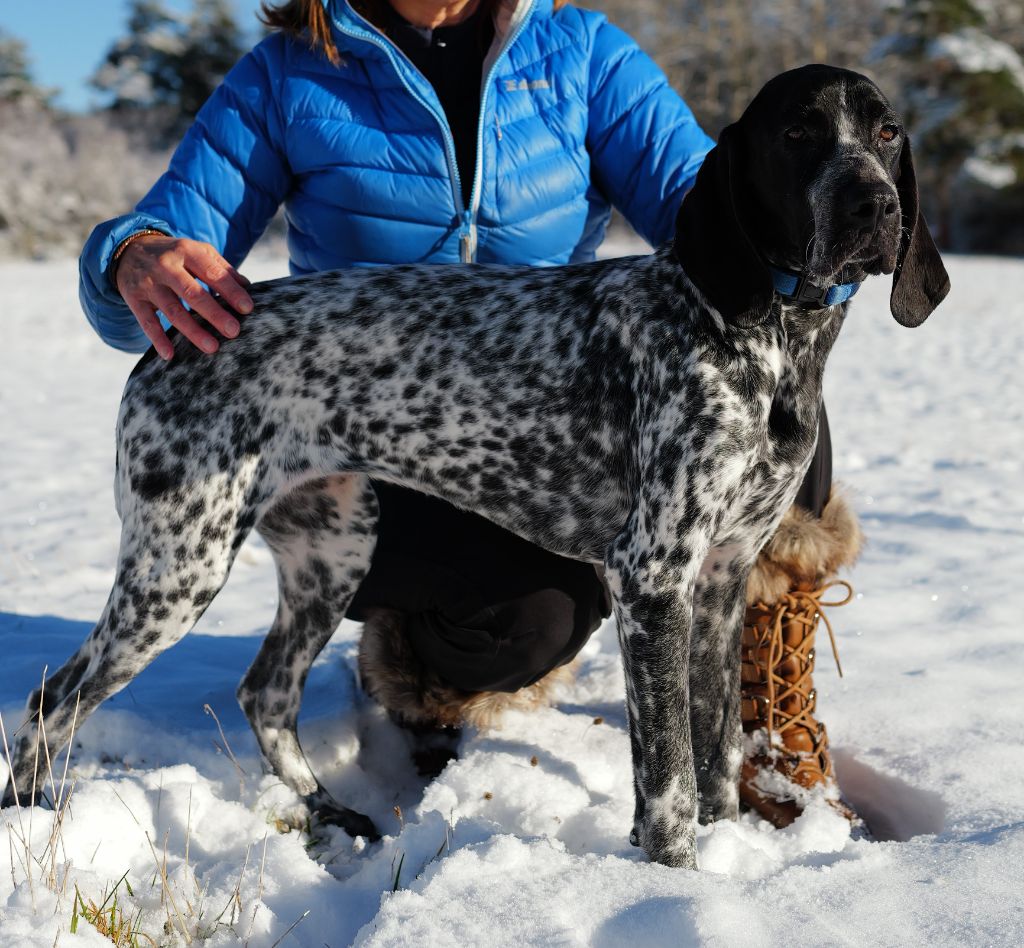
pixel 507 17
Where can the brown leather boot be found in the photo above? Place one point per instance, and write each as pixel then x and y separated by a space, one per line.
pixel 787 747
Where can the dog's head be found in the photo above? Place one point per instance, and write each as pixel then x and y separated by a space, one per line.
pixel 816 176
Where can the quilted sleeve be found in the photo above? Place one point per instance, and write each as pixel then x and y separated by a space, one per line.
pixel 224 183
pixel 644 141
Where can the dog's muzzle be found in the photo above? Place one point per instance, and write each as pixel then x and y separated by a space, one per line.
pixel 858 223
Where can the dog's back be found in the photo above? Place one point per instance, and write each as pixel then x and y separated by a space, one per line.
pixel 509 389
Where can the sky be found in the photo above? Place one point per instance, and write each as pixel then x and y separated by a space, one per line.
pixel 67 39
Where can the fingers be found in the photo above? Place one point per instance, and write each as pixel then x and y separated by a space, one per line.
pixel 179 317
pixel 162 273
pixel 203 304
pixel 153 328
pixel 204 263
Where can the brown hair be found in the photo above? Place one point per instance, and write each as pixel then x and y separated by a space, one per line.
pixel 308 20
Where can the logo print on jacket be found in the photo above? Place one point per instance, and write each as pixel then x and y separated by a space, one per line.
pixel 523 85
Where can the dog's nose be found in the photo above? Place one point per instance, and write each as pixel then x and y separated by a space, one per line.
pixel 868 208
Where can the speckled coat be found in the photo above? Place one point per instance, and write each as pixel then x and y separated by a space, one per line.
pixel 654 414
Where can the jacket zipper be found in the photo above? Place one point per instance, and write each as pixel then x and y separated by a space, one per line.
pixel 469 253
pixel 467 216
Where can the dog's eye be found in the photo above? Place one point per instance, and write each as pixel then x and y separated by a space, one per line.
pixel 796 133
pixel 888 132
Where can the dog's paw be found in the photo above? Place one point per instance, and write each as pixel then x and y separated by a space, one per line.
pixel 24 799
pixel 331 813
pixel 679 852
pixel 719 810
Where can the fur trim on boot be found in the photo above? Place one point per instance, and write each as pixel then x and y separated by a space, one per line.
pixel 393 676
pixel 806 550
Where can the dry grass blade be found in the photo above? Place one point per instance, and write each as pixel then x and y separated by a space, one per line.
pixel 188 831
pixel 10 764
pixel 163 865
pixel 301 918
pixel 446 843
pixel 23 838
pixel 398 872
pixel 10 843
pixel 35 767
pixel 112 918
pixel 166 895
pixel 167 890
pixel 227 746
pixel 71 741
pixel 62 803
pixel 235 898
pixel 41 736
pixel 259 891
pixel 26 862
pixel 55 841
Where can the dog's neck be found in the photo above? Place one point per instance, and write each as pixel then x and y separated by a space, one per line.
pixel 807 339
pixel 796 287
pixel 810 327
pixel 804 337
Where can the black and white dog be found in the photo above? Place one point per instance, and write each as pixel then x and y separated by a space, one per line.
pixel 653 414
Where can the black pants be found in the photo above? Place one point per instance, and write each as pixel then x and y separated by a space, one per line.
pixel 485 609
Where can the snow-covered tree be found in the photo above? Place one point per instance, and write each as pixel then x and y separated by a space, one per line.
pixel 60 174
pixel 719 54
pixel 168 63
pixel 962 92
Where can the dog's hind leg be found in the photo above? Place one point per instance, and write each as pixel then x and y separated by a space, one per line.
pixel 322 536
pixel 177 546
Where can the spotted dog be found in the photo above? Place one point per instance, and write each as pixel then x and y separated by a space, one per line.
pixel 653 414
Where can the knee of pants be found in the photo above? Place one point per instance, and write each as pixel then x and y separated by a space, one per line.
pixel 504 647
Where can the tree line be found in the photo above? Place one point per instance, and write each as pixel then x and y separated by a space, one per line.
pixel 953 68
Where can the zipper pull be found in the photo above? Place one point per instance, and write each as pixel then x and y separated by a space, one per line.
pixel 467 239
pixel 497 126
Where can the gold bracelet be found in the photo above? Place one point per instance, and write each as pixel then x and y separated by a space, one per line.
pixel 123 246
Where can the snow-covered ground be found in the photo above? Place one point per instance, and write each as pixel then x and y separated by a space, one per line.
pixel 524 839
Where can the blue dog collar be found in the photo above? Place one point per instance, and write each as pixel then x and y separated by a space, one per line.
pixel 796 288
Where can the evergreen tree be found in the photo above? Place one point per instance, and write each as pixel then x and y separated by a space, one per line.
pixel 169 63
pixel 213 44
pixel 963 96
pixel 15 77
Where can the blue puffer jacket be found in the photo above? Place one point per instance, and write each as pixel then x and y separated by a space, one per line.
pixel 574 118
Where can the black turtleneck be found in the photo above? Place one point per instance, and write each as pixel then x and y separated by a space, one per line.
pixel 451 58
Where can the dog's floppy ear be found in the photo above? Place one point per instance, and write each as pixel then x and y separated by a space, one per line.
pixel 920 281
pixel 714 246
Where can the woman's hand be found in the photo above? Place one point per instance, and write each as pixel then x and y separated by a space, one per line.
pixel 156 272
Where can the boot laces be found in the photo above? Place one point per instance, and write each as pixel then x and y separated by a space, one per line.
pixel 803 607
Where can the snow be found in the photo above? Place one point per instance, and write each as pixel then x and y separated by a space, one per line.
pixel 992 164
pixel 972 50
pixel 997 175
pixel 524 839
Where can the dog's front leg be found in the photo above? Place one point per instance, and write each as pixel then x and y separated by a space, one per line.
pixel 653 610
pixel 719 604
